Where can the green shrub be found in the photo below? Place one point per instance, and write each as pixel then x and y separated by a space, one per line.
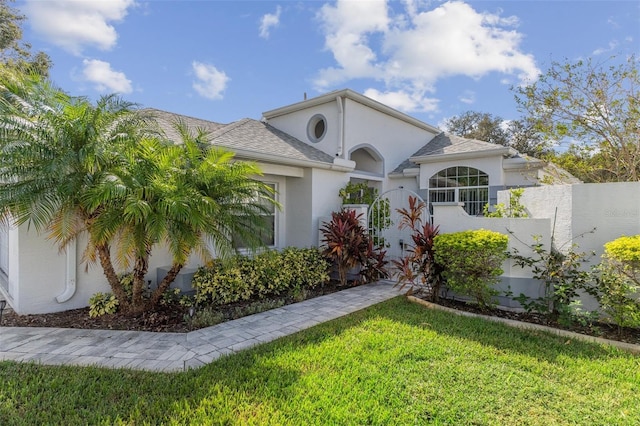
pixel 307 267
pixel 472 262
pixel 563 276
pixel 101 304
pixel 270 273
pixel 619 281
pixel 221 283
pixel 515 208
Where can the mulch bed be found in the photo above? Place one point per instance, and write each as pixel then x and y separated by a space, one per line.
pixel 174 318
pixel 598 329
pixel 165 318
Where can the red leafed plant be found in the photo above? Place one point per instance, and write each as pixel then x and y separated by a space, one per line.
pixel 419 268
pixel 348 245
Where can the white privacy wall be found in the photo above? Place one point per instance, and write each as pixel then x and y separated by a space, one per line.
pixel 451 217
pixel 610 210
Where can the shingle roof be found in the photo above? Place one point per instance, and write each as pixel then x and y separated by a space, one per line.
pixel 246 135
pixel 445 143
pixel 256 136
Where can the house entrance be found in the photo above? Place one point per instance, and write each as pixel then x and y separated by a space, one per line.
pixel 384 220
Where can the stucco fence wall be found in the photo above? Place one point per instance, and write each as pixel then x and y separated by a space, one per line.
pixel 587 215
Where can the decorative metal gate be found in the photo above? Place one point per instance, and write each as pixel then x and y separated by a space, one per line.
pixel 384 221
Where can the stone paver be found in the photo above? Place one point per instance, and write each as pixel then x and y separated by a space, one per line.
pixel 144 350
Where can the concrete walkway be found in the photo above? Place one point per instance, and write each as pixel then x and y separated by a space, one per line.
pixel 181 351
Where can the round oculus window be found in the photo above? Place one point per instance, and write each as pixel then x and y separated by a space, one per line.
pixel 317 128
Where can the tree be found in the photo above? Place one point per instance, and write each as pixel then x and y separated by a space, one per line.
pixel 594 104
pixel 518 134
pixel 478 125
pixel 13 53
pixel 70 167
pixel 183 196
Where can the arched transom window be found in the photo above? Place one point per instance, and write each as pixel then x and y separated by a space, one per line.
pixel 461 184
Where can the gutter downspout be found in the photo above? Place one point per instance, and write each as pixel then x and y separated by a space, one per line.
pixel 70 274
pixel 340 127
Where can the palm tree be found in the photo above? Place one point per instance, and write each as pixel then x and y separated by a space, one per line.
pixel 69 166
pixel 185 196
pixel 54 148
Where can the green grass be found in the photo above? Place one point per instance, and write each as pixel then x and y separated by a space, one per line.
pixel 396 363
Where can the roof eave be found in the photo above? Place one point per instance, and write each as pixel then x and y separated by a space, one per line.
pixel 278 159
pixel 354 96
pixel 405 173
pixel 433 158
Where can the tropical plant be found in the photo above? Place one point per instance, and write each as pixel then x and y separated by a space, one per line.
pixel 618 281
pixel 187 196
pixel 562 274
pixel 473 262
pixel 380 213
pixel 375 263
pixel 267 274
pixel 70 166
pixel 346 242
pixel 515 208
pixel 419 268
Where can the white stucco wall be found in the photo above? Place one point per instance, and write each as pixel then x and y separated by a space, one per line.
pixel 299 227
pixel 612 209
pixel 324 196
pixel 295 124
pixel 41 274
pixel 394 139
pixel 451 217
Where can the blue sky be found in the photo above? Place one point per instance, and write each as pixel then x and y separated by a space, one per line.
pixel 226 60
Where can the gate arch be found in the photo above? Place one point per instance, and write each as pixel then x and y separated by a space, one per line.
pixel 383 220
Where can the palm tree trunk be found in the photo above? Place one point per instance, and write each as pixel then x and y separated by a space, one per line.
pixel 104 254
pixel 139 271
pixel 164 285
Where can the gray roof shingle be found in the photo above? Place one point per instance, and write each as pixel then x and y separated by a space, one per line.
pixel 246 135
pixel 445 143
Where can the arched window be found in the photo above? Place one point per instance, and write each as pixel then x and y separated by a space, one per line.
pixel 461 184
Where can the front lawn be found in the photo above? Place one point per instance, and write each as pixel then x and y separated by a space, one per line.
pixel 394 363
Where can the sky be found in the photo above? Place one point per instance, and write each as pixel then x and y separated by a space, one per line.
pixel 227 60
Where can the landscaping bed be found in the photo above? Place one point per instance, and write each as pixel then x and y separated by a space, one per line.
pixel 597 329
pixel 171 317
pixel 175 318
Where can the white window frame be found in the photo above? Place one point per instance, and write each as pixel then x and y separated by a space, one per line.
pixel 455 190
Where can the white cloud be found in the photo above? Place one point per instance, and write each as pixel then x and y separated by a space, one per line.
pixel 468 97
pixel 210 82
pixel 269 21
pixel 75 25
pixel 411 49
pixel 403 101
pixel 105 79
pixel 612 46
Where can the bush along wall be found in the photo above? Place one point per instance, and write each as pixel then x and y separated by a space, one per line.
pixel 264 275
pixel 472 262
pixel 618 281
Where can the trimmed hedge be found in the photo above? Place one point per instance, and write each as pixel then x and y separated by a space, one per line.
pixel 619 282
pixel 472 262
pixel 270 273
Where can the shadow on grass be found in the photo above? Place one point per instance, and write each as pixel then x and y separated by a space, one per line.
pixel 262 385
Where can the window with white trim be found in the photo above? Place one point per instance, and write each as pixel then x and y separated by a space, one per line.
pixel 461 184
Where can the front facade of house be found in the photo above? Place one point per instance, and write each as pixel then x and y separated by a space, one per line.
pixel 307 151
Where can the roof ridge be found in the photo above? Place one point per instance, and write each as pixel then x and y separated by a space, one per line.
pixel 229 127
